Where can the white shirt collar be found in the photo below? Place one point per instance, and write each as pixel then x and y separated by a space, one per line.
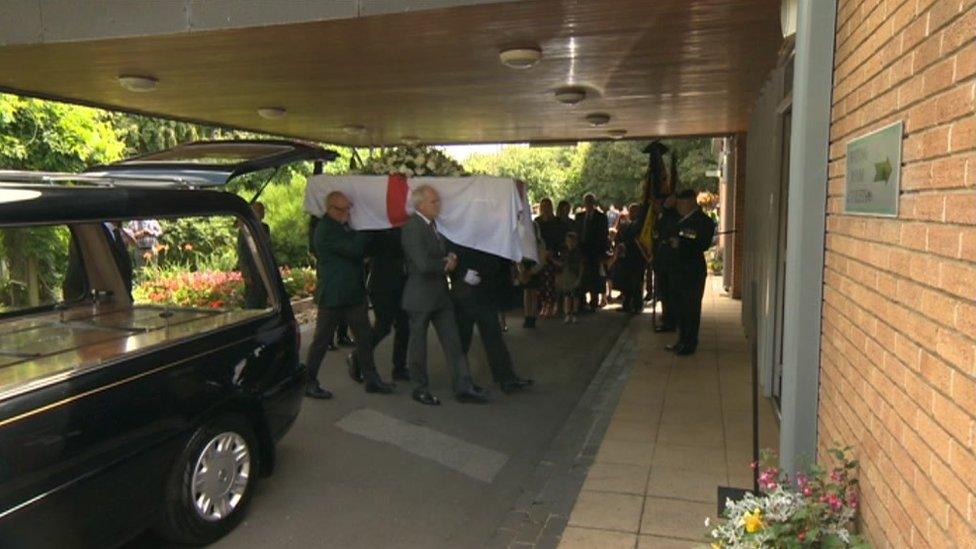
pixel 422 216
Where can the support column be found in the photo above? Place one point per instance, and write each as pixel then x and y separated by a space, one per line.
pixel 809 143
pixel 739 213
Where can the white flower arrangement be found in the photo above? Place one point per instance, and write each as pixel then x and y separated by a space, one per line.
pixel 413 161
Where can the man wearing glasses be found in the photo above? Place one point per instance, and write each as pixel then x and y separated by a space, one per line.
pixel 340 293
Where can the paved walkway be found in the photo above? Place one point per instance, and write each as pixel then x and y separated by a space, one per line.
pixel 681 428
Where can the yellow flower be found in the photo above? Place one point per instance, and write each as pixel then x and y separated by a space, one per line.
pixel 753 521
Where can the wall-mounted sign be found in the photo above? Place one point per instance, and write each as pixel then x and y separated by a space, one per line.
pixel 874 172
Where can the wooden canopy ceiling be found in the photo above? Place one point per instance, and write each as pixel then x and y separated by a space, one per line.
pixel 657 67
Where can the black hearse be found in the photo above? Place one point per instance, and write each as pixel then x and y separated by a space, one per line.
pixel 145 374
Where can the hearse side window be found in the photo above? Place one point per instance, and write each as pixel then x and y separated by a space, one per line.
pixel 197 262
pixel 78 296
pixel 40 267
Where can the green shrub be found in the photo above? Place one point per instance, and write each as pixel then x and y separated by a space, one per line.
pixel 288 222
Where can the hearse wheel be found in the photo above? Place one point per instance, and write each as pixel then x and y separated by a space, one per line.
pixel 211 484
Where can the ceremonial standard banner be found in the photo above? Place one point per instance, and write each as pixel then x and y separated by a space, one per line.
pixel 491 214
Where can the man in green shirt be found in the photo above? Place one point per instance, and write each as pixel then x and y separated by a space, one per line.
pixel 340 293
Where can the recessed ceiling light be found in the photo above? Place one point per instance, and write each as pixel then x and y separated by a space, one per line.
pixel 138 83
pixel 354 129
pixel 271 112
pixel 520 58
pixel 410 140
pixel 617 134
pixel 598 119
pixel 570 95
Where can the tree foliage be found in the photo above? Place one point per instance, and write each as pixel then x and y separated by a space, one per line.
pixel 612 170
pixel 49 136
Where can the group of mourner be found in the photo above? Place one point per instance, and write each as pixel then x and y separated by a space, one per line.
pixel 413 277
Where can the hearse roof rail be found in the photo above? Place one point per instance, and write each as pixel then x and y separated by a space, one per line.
pixel 98 180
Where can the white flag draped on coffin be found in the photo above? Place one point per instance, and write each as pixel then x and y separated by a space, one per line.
pixel 491 214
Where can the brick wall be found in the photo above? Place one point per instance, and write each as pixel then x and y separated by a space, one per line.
pixel 898 377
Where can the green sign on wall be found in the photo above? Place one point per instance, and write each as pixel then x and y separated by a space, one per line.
pixel 874 172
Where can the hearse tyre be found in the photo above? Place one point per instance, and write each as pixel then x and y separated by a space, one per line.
pixel 211 484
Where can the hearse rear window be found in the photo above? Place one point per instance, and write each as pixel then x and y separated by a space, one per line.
pixel 73 296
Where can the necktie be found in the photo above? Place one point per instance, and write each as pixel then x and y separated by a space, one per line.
pixel 437 235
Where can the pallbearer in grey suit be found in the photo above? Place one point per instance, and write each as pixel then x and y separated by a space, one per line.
pixel 427 301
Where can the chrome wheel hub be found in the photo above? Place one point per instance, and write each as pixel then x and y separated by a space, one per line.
pixel 220 476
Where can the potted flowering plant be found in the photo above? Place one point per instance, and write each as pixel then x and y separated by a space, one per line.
pixel 413 161
pixel 813 509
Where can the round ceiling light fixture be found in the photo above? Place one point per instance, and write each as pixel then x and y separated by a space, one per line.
pixel 137 83
pixel 570 95
pixel 617 134
pixel 272 113
pixel 354 129
pixel 598 119
pixel 520 58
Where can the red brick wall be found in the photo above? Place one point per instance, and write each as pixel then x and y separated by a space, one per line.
pixel 899 319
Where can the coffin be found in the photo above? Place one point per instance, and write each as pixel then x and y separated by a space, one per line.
pixel 491 214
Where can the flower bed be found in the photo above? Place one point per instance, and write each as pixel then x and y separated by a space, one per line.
pixel 214 289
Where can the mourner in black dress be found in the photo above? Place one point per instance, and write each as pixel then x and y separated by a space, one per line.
pixel 693 236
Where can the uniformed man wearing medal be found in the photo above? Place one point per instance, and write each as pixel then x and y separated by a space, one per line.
pixel 692 236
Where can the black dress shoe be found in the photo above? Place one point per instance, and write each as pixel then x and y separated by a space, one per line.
pixel 346 341
pixel 474 395
pixel 401 374
pixel 316 391
pixel 423 396
pixel 354 372
pixel 514 385
pixel 379 386
pixel 664 329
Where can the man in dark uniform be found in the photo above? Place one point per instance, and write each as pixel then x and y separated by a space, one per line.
pixel 665 227
pixel 476 288
pixel 340 293
pixel 594 238
pixel 385 286
pixel 692 238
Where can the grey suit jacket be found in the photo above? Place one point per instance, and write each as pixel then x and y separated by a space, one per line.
pixel 426 288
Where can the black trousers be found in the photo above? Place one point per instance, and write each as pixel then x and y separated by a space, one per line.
pixel 471 313
pixel 445 324
pixel 687 290
pixel 391 317
pixel 591 281
pixel 633 290
pixel 663 293
pixel 325 326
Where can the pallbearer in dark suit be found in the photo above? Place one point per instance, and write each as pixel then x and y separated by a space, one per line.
pixel 476 287
pixel 427 300
pixel 688 273
pixel 387 276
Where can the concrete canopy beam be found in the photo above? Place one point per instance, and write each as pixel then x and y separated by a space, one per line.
pixel 50 21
